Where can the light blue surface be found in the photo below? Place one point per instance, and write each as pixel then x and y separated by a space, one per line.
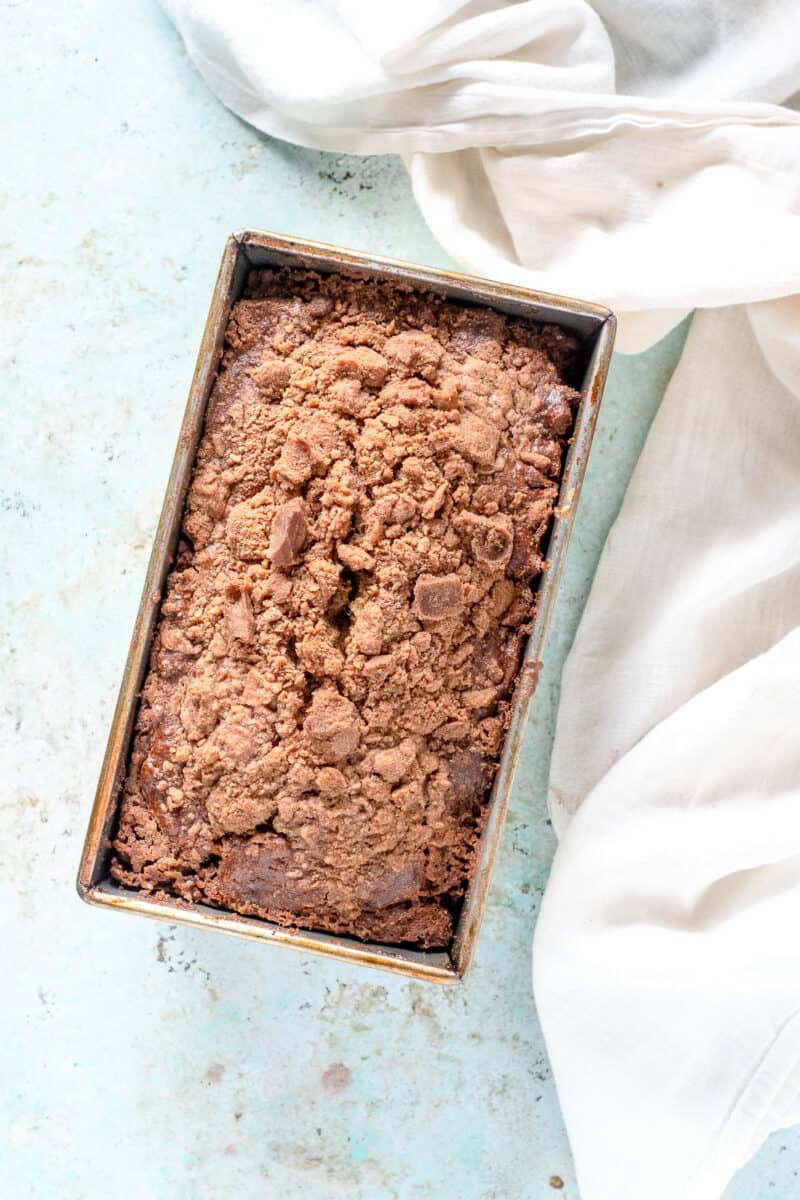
pixel 138 1059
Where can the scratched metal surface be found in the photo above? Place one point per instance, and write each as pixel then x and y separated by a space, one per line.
pixel 166 1062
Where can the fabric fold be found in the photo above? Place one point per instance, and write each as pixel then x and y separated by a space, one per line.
pixel 662 977
pixel 531 87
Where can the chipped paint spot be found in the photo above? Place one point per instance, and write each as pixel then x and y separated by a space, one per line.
pixel 175 958
pixel 297 1156
pixel 337 1078
pixel 161 948
pixel 215 1072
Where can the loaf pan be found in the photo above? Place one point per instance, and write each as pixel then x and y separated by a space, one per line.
pixel 594 326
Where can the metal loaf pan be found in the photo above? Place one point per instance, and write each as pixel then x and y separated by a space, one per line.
pixel 595 327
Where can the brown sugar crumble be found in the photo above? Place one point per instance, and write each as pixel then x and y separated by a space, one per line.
pixel 331 677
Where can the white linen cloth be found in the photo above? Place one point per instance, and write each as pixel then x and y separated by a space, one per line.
pixel 666 962
pixel 631 151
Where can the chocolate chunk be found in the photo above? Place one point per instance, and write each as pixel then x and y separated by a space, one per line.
pixel 437 597
pixel 289 530
pixel 470 777
pixel 240 620
pixel 555 410
pixel 525 560
pixel 477 326
pixel 496 657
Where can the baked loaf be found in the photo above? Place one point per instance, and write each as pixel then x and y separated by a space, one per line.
pixel 330 680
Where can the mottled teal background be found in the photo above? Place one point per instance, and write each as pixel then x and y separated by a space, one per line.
pixel 137 1059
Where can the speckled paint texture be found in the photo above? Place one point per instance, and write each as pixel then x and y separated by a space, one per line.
pixel 156 1062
